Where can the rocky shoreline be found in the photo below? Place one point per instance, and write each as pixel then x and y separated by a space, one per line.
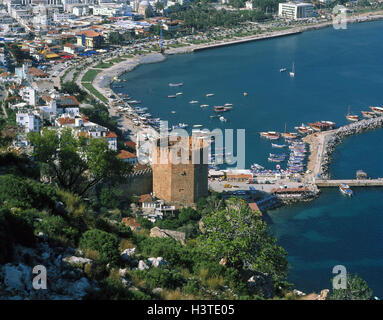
pixel 339 134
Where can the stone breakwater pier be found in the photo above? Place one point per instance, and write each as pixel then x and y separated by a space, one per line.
pixel 322 145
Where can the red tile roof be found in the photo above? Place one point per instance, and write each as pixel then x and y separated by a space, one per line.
pixel 89 33
pixel 126 155
pixel 111 135
pixel 131 222
pixel 145 198
pixel 37 72
pixel 130 144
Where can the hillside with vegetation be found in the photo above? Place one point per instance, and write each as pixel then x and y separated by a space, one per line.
pixel 64 210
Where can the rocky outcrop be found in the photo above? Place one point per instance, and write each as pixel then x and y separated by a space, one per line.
pixel 157 262
pixel 65 279
pixel 261 284
pixel 128 254
pixel 142 265
pixel 164 233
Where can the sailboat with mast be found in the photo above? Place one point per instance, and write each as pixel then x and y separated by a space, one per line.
pixel 351 117
pixel 292 73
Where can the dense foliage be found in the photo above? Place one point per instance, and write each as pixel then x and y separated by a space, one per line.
pixel 356 289
pixel 104 243
pixel 204 16
pixel 239 236
pixel 74 163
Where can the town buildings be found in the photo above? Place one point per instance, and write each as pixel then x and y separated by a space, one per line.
pixel 295 10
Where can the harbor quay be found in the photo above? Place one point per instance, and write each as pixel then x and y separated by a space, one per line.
pixel 323 144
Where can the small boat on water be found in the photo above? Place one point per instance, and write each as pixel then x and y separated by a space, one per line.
pixel 271 135
pixel 282 69
pixel 221 108
pixel 204 105
pixel 368 114
pixel 292 73
pixel 179 93
pixel 322 125
pixel 173 112
pixel 209 94
pixel 222 119
pixel 176 84
pixel 351 117
pixel 228 105
pixel 245 94
pixel 377 110
pixel 197 125
pixel 289 135
pixel 193 101
pixel 303 129
pixel 345 189
pixel 172 96
pixel 275 145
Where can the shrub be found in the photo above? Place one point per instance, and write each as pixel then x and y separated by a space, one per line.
pixel 105 243
pixel 56 228
pixel 26 193
pixel 162 278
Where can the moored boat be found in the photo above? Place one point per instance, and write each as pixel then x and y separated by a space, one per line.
pixel 176 84
pixel 209 94
pixel 221 108
pixel 272 135
pixel 204 105
pixel 193 101
pixel 275 145
pixel 368 114
pixel 172 96
pixel 345 189
pixel 377 110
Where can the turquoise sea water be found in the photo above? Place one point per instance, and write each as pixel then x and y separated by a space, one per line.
pixel 334 69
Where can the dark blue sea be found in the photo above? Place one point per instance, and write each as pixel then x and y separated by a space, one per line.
pixel 334 70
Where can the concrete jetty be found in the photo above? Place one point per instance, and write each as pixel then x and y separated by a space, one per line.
pixel 351 182
pixel 322 145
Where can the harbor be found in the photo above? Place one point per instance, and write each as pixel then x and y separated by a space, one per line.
pixel 306 228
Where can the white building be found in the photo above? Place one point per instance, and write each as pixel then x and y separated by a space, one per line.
pixel 111 10
pixel 29 95
pixel 295 10
pixel 29 121
pixel 249 5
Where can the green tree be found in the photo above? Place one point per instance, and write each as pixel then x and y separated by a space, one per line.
pixel 115 38
pixel 72 88
pixel 105 243
pixel 356 289
pixel 238 235
pixel 74 163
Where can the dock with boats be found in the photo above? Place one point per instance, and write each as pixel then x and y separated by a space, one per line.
pixel 322 144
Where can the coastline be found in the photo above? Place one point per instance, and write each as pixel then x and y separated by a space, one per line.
pixel 102 81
